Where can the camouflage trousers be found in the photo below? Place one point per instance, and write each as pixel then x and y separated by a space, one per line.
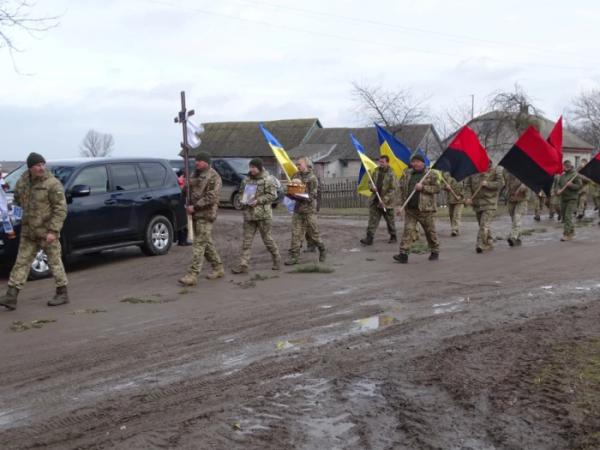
pixel 554 206
pixel 567 209
pixel 304 225
pixel 455 211
pixel 597 203
pixel 28 249
pixel 516 211
pixel 426 219
pixel 540 203
pixel 203 247
pixel 375 215
pixel 484 236
pixel 250 229
pixel 582 204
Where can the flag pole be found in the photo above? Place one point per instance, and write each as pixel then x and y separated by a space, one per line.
pixel 449 188
pixel 559 192
pixel 413 192
pixel 374 187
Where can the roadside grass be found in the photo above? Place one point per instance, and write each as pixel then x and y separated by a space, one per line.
pixel 312 268
pixel 18 325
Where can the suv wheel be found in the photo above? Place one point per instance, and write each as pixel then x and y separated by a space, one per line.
pixel 158 237
pixel 39 266
pixel 236 201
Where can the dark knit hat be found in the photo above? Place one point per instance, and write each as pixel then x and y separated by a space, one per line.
pixel 203 156
pixel 256 162
pixel 417 155
pixel 33 159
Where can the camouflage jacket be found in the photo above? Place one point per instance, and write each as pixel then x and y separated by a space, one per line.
pixel 266 194
pixel 205 188
pixel 487 197
pixel 458 188
pixel 389 186
pixel 572 191
pixel 595 190
pixel 44 205
pixel 307 206
pixel 516 191
pixel 431 186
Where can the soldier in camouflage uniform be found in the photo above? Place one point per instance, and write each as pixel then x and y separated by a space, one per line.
pixel 482 191
pixel 205 186
pixel 456 202
pixel 595 189
pixel 311 246
pixel 540 200
pixel 386 185
pixel 568 186
pixel 304 219
pixel 258 214
pixel 555 200
pixel 421 207
pixel 583 193
pixel 42 198
pixel 516 193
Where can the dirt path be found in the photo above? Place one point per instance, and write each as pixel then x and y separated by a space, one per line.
pixel 500 350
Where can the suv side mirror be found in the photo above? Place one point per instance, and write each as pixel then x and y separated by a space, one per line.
pixel 81 190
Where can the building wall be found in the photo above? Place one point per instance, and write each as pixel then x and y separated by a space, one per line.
pixel 340 169
pixel 576 156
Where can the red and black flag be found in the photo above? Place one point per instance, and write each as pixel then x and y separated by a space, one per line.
pixel 464 156
pixel 592 169
pixel 555 139
pixel 533 161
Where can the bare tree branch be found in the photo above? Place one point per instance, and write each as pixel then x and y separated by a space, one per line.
pixel 393 109
pixel 17 16
pixel 585 117
pixel 96 144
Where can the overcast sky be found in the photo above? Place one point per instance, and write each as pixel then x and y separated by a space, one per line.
pixel 118 66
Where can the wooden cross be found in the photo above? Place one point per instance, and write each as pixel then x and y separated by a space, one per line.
pixel 181 118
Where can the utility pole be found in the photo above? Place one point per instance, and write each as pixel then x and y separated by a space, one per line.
pixel 472 106
pixel 181 118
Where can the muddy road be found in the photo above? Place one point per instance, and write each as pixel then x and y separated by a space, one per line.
pixel 492 351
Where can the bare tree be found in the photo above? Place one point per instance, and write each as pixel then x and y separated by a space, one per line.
pixel 452 118
pixel 515 108
pixel 585 116
pixel 390 108
pixel 96 144
pixel 16 16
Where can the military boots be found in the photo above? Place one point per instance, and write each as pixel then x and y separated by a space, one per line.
pixel 60 298
pixel 9 300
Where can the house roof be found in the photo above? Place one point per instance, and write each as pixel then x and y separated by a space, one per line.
pixel 330 144
pixel 244 139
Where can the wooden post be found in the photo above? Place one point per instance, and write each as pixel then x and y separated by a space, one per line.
pixel 181 118
pixel 560 191
pixel 375 188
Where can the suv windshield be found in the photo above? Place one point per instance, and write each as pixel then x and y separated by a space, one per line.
pixel 61 172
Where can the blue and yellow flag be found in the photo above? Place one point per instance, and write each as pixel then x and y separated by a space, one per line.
pixel 367 164
pixel 282 157
pixel 398 153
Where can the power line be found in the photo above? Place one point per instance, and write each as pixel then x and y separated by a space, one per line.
pixel 455 37
pixel 350 39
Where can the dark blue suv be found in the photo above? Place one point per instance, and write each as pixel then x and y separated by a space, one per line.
pixel 113 203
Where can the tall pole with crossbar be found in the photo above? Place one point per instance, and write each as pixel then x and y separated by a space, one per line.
pixel 181 118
